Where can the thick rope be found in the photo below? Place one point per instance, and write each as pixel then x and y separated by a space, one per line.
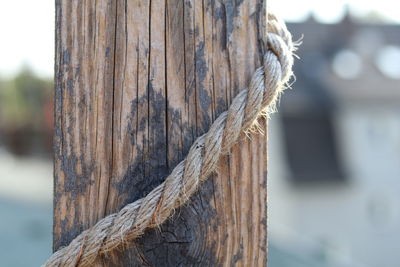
pixel 151 211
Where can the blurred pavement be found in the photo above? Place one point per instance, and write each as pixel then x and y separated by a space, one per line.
pixel 25 210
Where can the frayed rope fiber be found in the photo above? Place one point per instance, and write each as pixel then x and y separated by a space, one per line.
pixel 247 108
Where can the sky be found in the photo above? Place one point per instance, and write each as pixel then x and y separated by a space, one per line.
pixel 27 36
pixel 27 27
pixel 330 11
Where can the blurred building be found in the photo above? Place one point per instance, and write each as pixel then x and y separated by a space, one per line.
pixel 26 114
pixel 334 164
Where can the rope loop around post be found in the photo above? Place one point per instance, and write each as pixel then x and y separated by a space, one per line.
pixel 259 100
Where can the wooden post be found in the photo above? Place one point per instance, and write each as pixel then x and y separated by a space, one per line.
pixel 136 83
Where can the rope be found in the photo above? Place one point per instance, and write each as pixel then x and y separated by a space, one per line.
pixel 247 107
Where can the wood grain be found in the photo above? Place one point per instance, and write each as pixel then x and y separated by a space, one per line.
pixel 136 83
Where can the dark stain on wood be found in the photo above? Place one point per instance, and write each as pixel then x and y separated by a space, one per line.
pixel 73 228
pixel 135 184
pixel 75 183
pixel 66 57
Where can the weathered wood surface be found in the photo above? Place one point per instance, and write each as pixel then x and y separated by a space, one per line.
pixel 136 83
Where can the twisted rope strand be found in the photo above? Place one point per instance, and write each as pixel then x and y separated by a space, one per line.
pixel 247 107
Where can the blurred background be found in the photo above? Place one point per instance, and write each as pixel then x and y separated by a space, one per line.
pixel 334 165
pixel 26 114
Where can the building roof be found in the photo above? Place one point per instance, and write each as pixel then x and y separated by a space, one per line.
pixel 344 62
